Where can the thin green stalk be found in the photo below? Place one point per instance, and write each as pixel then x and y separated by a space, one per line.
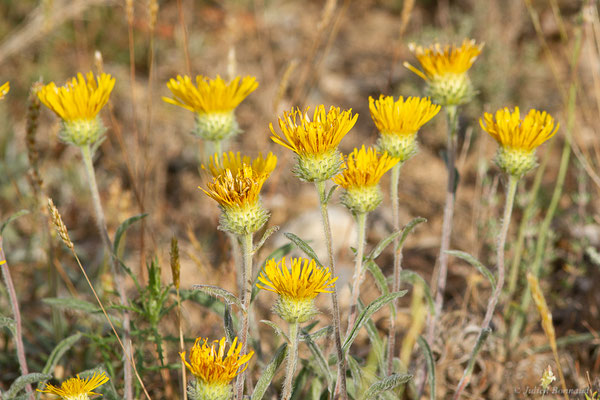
pixel 14 304
pixel 246 241
pixel 291 362
pixel 341 361
pixel 117 277
pixel 452 118
pixel 361 219
pixel 508 207
pixel 394 182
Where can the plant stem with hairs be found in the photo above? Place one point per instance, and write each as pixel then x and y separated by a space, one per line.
pixel 14 304
pixel 291 362
pixel 246 294
pixel 452 118
pixel 86 152
pixel 508 207
pixel 394 182
pixel 361 219
pixel 341 373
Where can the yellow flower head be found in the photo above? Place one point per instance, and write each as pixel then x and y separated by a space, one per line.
pixel 401 117
pixel 212 365
pixel 364 168
pixel 445 71
pixel 210 95
pixel 80 99
pixel 235 162
pixel 4 89
pixel 518 138
pixel 321 135
pixel 315 141
pixel 438 61
pixel 296 288
pixel 77 388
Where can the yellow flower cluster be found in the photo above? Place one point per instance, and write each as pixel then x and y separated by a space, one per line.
pixel 77 388
pixel 210 95
pixel 212 365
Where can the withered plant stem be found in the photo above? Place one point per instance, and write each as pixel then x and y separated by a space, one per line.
pixel 246 270
pixel 341 360
pixel 14 304
pixel 394 199
pixel 489 313
pixel 86 152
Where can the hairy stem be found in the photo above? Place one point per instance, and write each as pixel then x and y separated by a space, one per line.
pixel 114 264
pixel 341 361
pixel 508 207
pixel 245 295
pixel 357 279
pixel 291 362
pixel 14 304
pixel 394 182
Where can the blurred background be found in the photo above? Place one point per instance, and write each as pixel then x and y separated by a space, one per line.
pixel 303 53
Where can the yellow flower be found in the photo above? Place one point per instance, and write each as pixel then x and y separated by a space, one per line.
pixel 80 99
pixel 399 121
pixel 4 89
pixel 235 162
pixel 445 70
pixel 214 369
pixel 237 192
pixel 210 95
pixel 315 142
pixel 77 388
pixel 213 101
pixel 78 104
pixel 518 138
pixel 360 179
pixel 296 288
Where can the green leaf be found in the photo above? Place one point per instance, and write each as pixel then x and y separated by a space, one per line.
pixel 430 365
pixel 264 238
pixel 413 278
pixel 268 373
pixel 320 358
pixel 385 384
pixel 61 348
pixel 216 291
pixel 366 314
pixel 123 228
pixel 21 382
pixel 11 219
pixel 476 263
pixel 305 247
pixel 276 328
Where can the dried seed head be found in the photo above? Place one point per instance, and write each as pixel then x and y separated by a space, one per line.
pixel 60 226
pixel 175 266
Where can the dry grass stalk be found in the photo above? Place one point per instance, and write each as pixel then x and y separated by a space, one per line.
pixel 547 325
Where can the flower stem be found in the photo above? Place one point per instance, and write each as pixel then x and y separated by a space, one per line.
pixel 14 303
pixel 291 362
pixel 118 279
pixel 357 279
pixel 394 182
pixel 508 207
pixel 341 373
pixel 245 295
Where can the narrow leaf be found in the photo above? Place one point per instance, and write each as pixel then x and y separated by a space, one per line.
pixel 365 314
pixel 11 219
pixel 386 384
pixel 430 365
pixel 269 372
pixel 123 228
pixel 302 245
pixel 216 291
pixel 476 263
